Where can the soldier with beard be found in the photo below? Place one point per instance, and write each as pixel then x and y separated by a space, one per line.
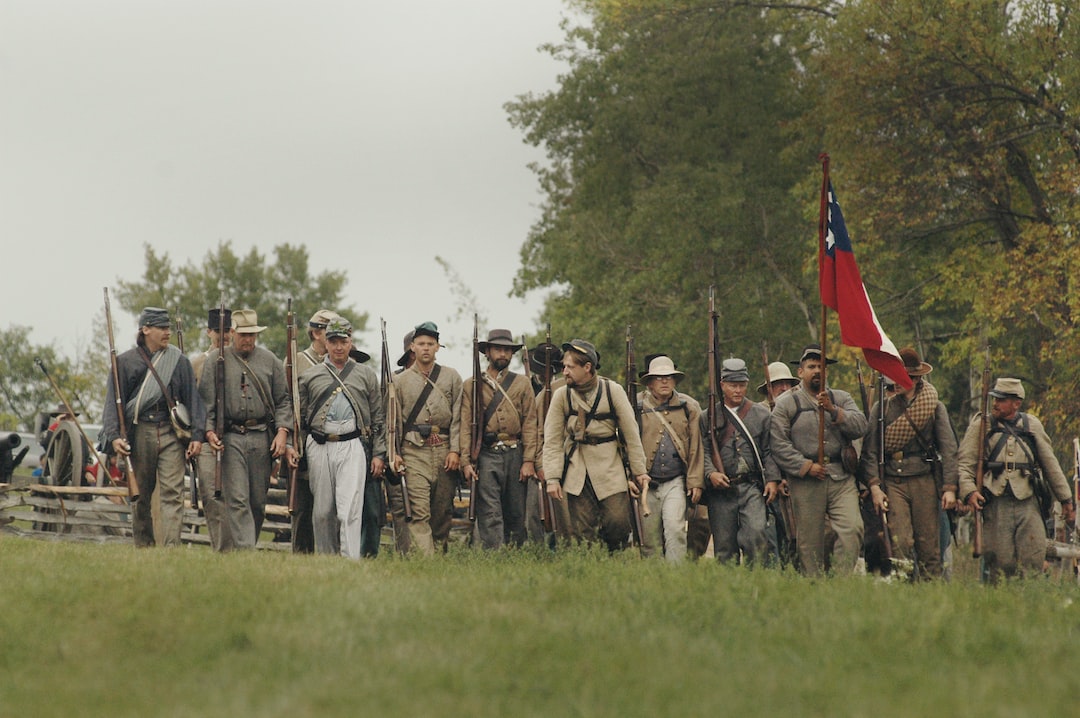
pixel 506 462
pixel 822 494
pixel 581 449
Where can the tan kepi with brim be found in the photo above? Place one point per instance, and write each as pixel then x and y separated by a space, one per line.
pixel 913 363
pixel 1007 388
pixel 778 371
pixel 246 321
pixel 662 366
pixel 499 338
pixel 321 318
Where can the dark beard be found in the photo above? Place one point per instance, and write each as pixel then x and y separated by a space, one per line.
pixel 500 364
pixel 815 383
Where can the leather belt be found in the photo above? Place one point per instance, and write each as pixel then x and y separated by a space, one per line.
pixel 744 478
pixel 154 417
pixel 322 438
pixel 592 441
pixel 247 426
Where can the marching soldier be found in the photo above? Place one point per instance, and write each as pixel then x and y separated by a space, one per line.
pixel 822 494
pixel 155 379
pixel 920 467
pixel 258 414
pixel 303 537
pixel 342 411
pixel 671 438
pixel 506 462
pixel 217 524
pixel 430 398
pixel 1017 450
pixel 747 478
pixel 581 453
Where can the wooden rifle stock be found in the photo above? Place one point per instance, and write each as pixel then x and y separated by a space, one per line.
pixel 121 420
pixel 393 430
pixel 476 428
pixel 980 465
pixel 219 398
pixel 288 470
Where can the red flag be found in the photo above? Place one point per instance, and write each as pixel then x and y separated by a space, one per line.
pixel 843 290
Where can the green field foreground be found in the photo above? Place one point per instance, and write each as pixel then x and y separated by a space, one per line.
pixel 107 630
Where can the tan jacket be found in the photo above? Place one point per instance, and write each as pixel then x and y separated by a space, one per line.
pixel 686 423
pixel 1009 456
pixel 514 418
pixel 600 462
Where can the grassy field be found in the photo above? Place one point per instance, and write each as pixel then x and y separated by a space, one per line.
pixel 108 630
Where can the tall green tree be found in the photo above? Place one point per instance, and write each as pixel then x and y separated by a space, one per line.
pixel 665 174
pixel 954 127
pixel 25 391
pixel 250 281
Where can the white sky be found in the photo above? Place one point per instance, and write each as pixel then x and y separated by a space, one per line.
pixel 371 131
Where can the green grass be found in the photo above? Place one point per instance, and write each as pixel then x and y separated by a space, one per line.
pixel 108 630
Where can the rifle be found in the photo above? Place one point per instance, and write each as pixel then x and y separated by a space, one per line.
pixel 193 463
pixel 886 539
pixel 768 381
pixel 76 471
pixel 528 375
pixel 713 411
pixel 980 466
pixel 862 390
pixel 287 470
pixel 476 427
pixel 219 398
pixel 549 504
pixel 121 420
pixel 393 417
pixel 638 504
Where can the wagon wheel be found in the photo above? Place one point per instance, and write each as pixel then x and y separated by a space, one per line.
pixel 65 461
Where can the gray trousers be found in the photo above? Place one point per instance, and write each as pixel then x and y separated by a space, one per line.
pixel 245 479
pixel 820 504
pixel 217 523
pixel 337 471
pixel 500 498
pixel 1014 537
pixel 157 457
pixel 737 520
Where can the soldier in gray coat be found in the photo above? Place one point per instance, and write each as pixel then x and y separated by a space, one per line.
pixel 822 493
pixel 258 414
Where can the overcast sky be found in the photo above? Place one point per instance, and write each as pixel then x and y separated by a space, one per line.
pixel 372 132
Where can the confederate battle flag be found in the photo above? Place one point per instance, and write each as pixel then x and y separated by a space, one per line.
pixel 843 290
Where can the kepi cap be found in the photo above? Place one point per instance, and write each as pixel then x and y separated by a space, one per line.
pixel 213 318
pixel 734 370
pixel 338 327
pixel 321 318
pixel 154 317
pixel 583 347
pixel 427 329
pixel 1007 388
